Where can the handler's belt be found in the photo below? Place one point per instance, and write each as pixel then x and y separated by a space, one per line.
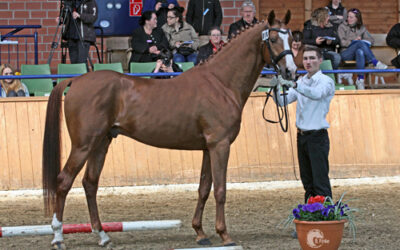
pixel 309 132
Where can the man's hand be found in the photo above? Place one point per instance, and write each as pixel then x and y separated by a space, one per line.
pixel 171 6
pixel 158 6
pixel 75 15
pixel 287 83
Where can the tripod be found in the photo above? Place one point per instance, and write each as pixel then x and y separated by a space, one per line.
pixel 65 12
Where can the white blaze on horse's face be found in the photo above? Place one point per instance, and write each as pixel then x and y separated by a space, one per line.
pixel 289 58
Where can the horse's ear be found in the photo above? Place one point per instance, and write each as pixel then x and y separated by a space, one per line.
pixel 287 17
pixel 271 17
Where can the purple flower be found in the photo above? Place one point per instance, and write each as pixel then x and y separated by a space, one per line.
pixel 326 211
pixel 313 207
pixel 296 213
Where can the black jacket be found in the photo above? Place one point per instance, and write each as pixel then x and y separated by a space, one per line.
pixel 234 27
pixel 202 23
pixel 393 37
pixel 311 32
pixel 88 15
pixel 141 42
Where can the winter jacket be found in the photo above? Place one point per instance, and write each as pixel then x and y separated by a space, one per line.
pixel 236 26
pixel 141 42
pixel 348 34
pixel 203 15
pixel 333 13
pixel 393 37
pixel 88 16
pixel 185 33
pixel 312 31
pixel 206 51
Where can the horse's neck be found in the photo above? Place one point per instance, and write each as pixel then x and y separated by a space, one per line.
pixel 239 63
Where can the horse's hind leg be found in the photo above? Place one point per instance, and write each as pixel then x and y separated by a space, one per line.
pixel 91 182
pixel 204 191
pixel 65 179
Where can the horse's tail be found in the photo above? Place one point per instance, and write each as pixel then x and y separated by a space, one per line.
pixel 51 162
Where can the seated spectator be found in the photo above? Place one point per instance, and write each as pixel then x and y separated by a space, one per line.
pixel 11 87
pixel 248 12
pixel 393 40
pixel 322 34
pixel 204 14
pixel 181 36
pixel 337 13
pixel 212 46
pixel 147 40
pixel 165 64
pixel 161 8
pixel 356 42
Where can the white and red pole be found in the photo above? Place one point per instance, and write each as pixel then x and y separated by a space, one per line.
pixel 87 228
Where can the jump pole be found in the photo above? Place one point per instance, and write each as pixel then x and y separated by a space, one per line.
pixel 212 248
pixel 87 228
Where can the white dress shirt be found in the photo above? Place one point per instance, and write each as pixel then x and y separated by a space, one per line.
pixel 313 96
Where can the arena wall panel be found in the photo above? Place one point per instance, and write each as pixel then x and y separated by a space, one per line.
pixel 363 135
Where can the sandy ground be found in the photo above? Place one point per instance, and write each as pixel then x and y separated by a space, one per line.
pixel 252 217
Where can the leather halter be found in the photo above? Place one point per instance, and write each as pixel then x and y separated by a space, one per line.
pixel 275 59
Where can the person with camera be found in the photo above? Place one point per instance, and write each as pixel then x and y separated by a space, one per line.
pixel 147 40
pixel 181 36
pixel 161 8
pixel 165 64
pixel 79 18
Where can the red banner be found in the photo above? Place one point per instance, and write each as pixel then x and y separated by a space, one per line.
pixel 135 7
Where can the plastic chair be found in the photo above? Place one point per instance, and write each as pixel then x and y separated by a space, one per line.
pixel 41 87
pixel 110 66
pixel 142 67
pixel 185 65
pixel 66 69
pixel 327 65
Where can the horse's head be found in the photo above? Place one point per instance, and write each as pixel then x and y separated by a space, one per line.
pixel 276 49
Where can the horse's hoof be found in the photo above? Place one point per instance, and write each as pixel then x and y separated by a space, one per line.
pixel 204 241
pixel 58 246
pixel 230 244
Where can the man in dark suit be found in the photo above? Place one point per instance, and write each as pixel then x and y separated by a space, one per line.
pixel 248 12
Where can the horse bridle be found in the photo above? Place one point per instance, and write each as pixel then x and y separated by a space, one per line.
pixel 275 59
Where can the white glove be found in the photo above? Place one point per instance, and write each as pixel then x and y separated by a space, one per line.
pixel 274 82
pixel 287 83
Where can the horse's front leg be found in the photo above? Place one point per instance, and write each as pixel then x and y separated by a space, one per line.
pixel 204 192
pixel 219 155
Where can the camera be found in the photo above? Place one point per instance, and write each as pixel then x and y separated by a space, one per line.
pixel 68 5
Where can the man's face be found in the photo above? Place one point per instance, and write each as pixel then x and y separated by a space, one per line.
pixel 248 14
pixel 311 62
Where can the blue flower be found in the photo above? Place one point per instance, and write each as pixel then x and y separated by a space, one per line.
pixel 326 211
pixel 296 213
pixel 313 207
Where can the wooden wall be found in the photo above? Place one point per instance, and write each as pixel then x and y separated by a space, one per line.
pixel 378 16
pixel 364 143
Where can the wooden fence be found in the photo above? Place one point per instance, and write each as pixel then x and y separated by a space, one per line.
pixel 364 138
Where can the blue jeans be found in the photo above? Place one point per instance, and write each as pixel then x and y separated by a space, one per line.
pixel 360 52
pixel 333 57
pixel 181 58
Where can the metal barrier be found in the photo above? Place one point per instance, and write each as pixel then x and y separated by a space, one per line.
pixel 4 40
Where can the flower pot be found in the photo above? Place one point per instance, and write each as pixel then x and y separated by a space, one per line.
pixel 320 235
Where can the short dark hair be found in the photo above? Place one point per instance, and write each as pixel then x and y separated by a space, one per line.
pixel 146 16
pixel 214 28
pixel 313 48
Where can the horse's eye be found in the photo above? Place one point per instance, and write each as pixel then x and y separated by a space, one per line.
pixel 273 39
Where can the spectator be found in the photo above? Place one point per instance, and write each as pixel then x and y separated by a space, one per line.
pixel 248 12
pixel 313 93
pixel 147 40
pixel 337 13
pixel 11 87
pixel 212 46
pixel 356 42
pixel 181 36
pixel 393 40
pixel 161 8
pixel 204 14
pixel 296 42
pixel 165 64
pixel 79 29
pixel 322 34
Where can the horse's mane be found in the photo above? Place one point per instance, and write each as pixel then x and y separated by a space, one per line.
pixel 231 42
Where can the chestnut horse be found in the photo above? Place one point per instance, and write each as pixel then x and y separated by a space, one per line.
pixel 199 110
